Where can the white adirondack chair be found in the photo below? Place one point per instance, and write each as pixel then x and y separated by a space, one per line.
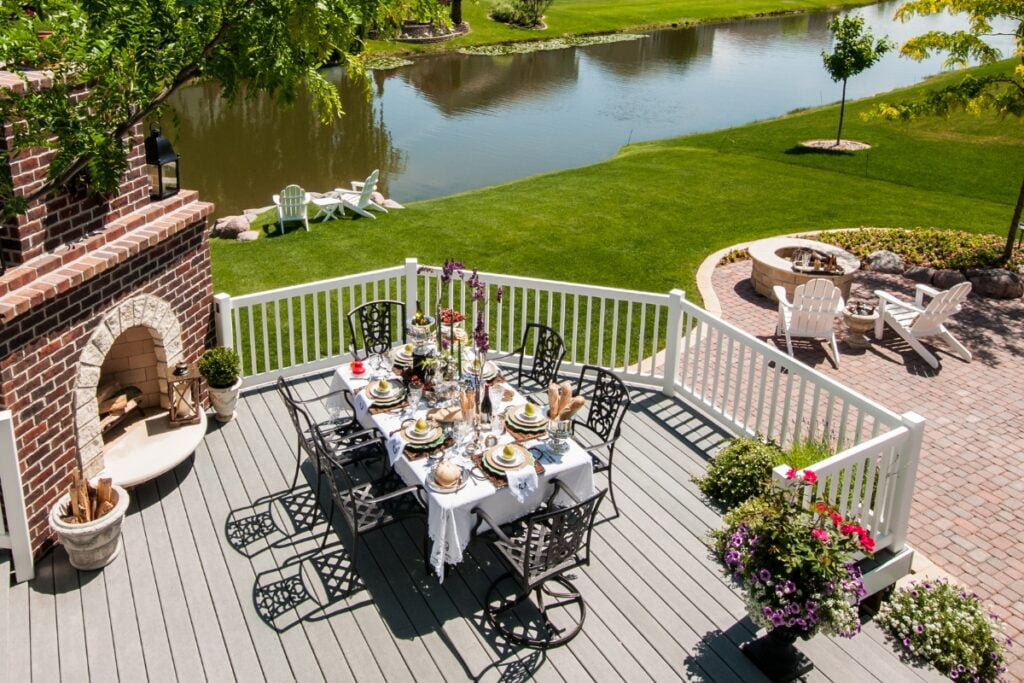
pixel 811 313
pixel 913 321
pixel 358 199
pixel 291 206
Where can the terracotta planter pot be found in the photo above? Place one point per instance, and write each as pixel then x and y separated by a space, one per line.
pixel 223 400
pixel 95 544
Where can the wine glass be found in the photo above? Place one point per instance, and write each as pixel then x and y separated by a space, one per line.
pixel 384 364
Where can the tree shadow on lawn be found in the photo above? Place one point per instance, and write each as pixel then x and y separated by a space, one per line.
pixel 799 150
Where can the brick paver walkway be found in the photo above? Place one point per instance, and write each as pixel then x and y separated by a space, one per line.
pixel 969 502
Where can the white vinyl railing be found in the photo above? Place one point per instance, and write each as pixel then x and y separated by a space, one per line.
pixel 654 340
pixel 13 518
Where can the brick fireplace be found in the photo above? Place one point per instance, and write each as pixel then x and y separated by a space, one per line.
pixel 100 296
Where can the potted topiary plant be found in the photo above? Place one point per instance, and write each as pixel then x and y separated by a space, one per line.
pixel 222 370
pixel 87 521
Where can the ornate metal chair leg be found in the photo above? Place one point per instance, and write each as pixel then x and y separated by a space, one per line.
pixel 611 493
pixel 329 529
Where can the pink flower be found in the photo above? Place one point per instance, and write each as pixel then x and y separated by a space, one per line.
pixel 810 477
pixel 867 543
pixel 837 518
pixel 791 474
pixel 820 534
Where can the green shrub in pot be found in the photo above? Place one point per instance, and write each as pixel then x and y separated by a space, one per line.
pixel 222 369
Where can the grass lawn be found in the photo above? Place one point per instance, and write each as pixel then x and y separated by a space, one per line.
pixel 648 216
pixel 604 16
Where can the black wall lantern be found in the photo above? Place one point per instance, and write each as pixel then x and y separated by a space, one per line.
pixel 162 162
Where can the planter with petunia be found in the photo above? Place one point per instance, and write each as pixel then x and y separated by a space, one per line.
pixel 797 569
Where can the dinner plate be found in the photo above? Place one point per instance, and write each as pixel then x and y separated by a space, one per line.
pixel 513 421
pixel 520 416
pixel 490 369
pixel 437 488
pixel 388 403
pixel 493 457
pixel 400 355
pixel 394 390
pixel 429 436
pixel 428 446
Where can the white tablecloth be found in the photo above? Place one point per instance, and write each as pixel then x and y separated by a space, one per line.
pixel 449 514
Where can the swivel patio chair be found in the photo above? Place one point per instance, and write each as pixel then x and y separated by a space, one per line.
pixel 607 405
pixel 291 206
pixel 913 321
pixel 811 313
pixel 541 549
pixel 375 321
pixel 548 354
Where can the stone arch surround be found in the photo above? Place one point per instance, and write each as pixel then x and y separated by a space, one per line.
pixel 145 310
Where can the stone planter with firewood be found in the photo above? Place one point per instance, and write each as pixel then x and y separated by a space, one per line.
pixel 87 521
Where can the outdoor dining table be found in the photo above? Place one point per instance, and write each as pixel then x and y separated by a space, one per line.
pixel 450 515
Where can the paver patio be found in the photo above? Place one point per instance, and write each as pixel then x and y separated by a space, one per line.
pixel 969 500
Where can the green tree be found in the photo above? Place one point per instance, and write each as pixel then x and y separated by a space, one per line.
pixel 999 94
pixel 133 54
pixel 854 51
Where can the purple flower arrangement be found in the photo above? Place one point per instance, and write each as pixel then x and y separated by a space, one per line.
pixel 794 564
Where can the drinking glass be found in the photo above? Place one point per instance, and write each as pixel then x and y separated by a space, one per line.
pixel 415 394
pixel 558 432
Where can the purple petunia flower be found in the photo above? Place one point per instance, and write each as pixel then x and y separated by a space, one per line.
pixel 788 587
pixel 778 619
pixel 919 628
pixel 906 642
pixel 764 575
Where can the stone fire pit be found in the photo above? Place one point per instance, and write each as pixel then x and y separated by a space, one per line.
pixel 773 265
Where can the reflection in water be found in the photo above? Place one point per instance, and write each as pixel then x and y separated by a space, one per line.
pixel 454 122
pixel 238 156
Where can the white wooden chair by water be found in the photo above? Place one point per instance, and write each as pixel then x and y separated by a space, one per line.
pixel 811 313
pixel 291 206
pixel 913 321
pixel 359 198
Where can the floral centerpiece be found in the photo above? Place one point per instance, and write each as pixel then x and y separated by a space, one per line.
pixel 795 566
pixel 939 623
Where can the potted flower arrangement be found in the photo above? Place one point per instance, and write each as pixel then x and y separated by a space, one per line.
pixel 860 317
pixel 222 369
pixel 795 566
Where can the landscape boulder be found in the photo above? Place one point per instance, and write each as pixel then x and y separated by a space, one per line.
pixel 885 261
pixel 922 274
pixel 230 226
pixel 944 279
pixel 996 283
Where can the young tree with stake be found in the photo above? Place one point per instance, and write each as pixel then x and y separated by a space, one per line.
pixel 855 50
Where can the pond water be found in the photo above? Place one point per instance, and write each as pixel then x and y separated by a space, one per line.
pixel 455 122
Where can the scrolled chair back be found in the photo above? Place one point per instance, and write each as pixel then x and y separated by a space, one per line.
pixel 608 401
pixel 559 539
pixel 376 326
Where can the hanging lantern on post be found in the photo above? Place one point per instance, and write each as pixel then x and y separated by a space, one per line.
pixel 183 392
pixel 162 165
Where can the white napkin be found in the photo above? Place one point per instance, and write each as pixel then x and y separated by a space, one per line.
pixel 522 482
pixel 396 445
pixel 362 404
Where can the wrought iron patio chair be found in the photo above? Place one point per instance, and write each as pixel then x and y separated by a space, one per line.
pixel 375 321
pixel 338 434
pixel 541 549
pixel 366 506
pixel 608 401
pixel 548 353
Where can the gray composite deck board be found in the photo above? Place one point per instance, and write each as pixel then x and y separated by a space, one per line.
pixel 179 603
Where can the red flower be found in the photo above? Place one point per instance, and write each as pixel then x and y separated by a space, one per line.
pixel 820 534
pixel 849 529
pixel 810 477
pixel 791 474
pixel 837 518
pixel 867 543
pixel 821 507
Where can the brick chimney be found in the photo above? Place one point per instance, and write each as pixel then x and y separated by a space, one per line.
pixel 116 286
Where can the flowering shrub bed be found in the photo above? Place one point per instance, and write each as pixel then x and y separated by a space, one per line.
pixel 937 623
pixel 795 565
pixel 942 249
pixel 743 468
